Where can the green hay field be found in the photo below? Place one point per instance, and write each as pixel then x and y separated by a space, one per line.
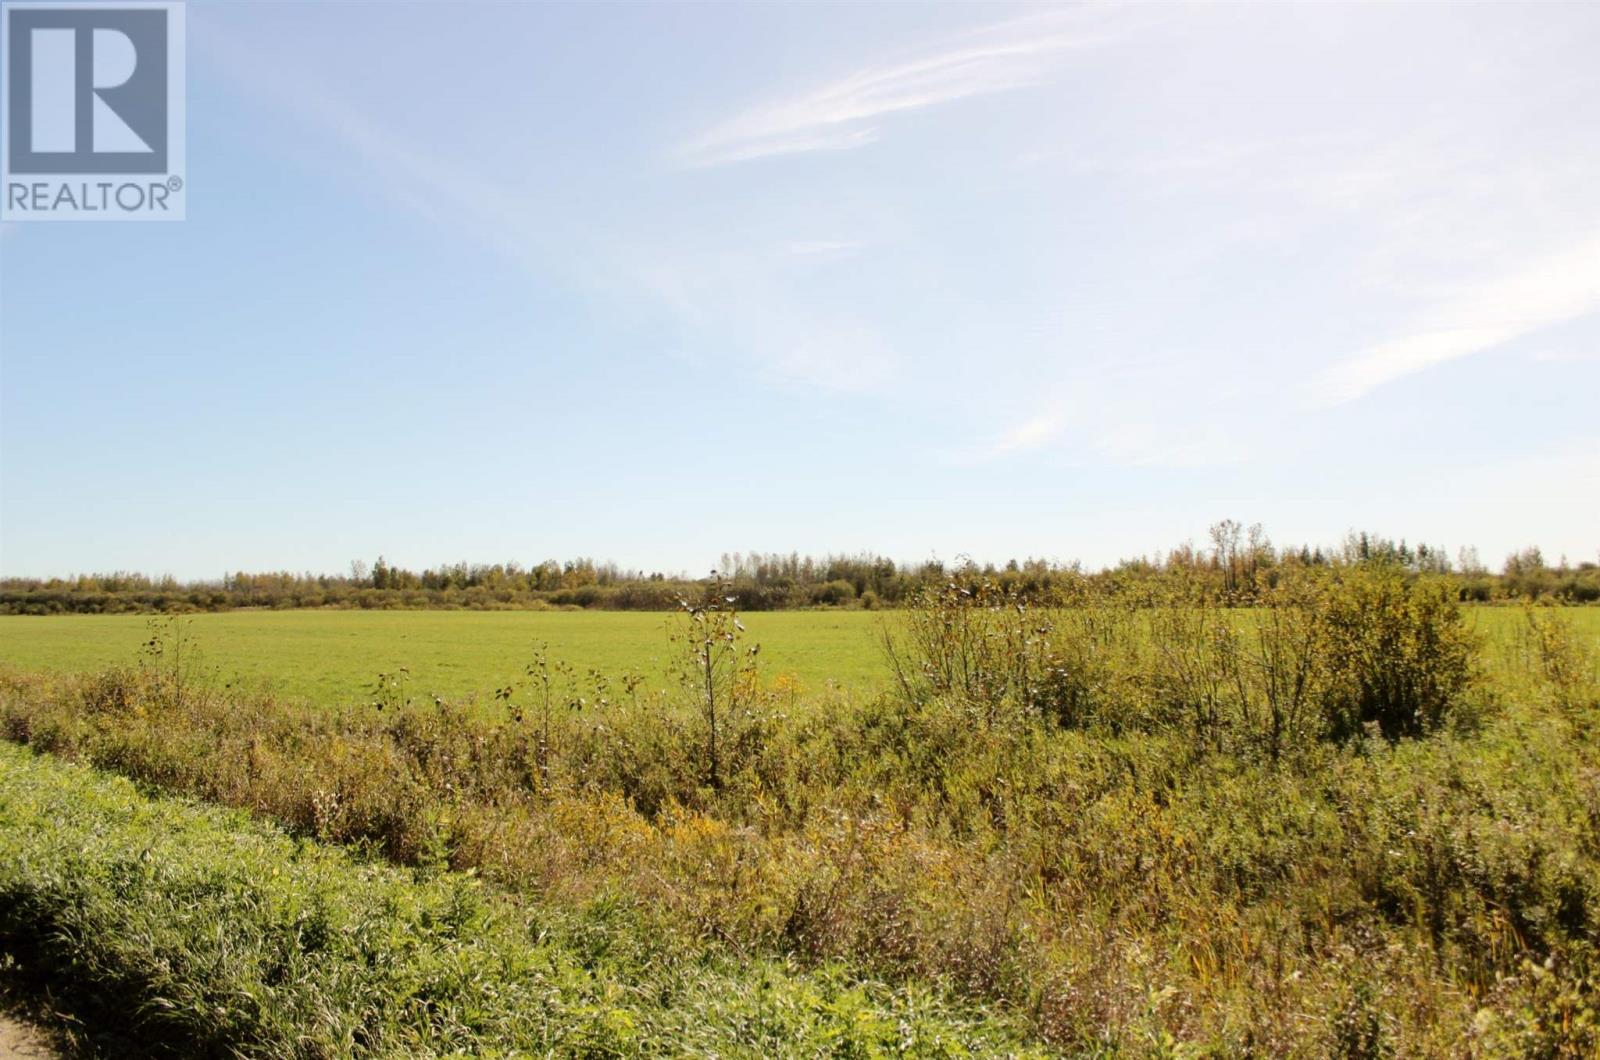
pixel 333 657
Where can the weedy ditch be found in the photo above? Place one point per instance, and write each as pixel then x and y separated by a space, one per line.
pixel 210 934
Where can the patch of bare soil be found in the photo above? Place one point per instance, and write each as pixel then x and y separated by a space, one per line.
pixel 22 1041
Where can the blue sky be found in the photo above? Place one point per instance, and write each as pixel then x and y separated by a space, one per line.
pixel 509 281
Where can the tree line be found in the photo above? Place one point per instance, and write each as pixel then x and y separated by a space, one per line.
pixel 1235 564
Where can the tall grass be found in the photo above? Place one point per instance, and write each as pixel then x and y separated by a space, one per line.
pixel 192 932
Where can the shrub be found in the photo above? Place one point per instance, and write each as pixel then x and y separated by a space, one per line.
pixel 1395 652
pixel 836 593
pixel 1319 654
pixel 1569 667
pixel 1281 675
pixel 979 643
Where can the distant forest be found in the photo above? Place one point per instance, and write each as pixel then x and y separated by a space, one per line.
pixel 1234 564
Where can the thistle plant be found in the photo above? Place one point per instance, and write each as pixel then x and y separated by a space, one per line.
pixel 170 653
pixel 389 690
pixel 717 667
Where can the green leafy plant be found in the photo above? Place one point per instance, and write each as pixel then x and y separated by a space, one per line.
pixel 1570 666
pixel 1396 653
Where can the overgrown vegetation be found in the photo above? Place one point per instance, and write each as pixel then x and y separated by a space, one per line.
pixel 1333 823
pixel 194 932
pixel 1321 654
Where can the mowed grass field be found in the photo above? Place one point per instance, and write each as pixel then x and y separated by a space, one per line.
pixel 334 657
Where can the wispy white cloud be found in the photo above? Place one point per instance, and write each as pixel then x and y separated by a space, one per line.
pixel 1472 319
pixel 743 302
pixel 710 154
pixel 1121 441
pixel 821 248
pixel 1027 436
pixel 1030 435
pixel 839 115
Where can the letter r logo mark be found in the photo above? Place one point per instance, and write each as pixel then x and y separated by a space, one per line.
pixel 87 90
